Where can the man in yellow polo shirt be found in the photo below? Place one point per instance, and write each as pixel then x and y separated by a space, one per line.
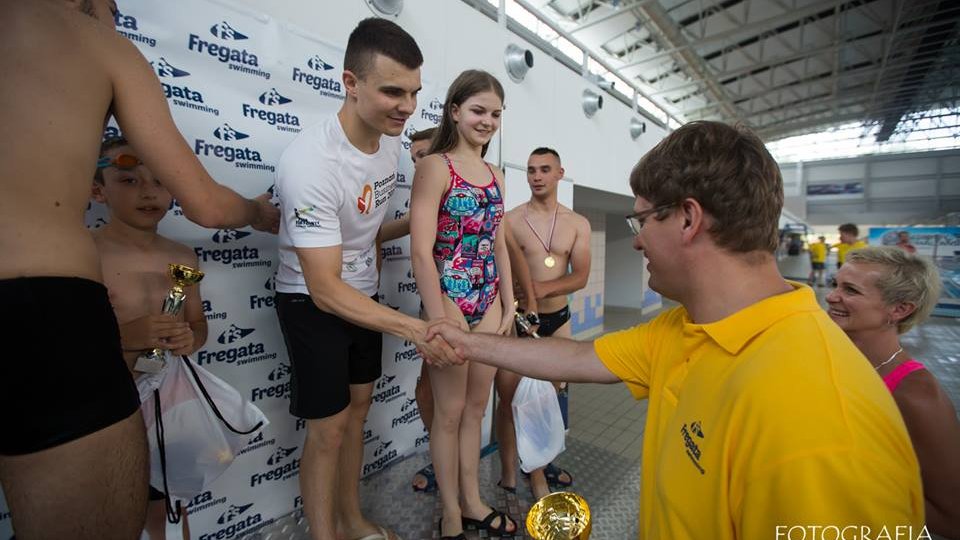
pixel 764 421
pixel 818 261
pixel 849 239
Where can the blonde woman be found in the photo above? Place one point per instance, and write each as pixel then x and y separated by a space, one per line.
pixel 881 293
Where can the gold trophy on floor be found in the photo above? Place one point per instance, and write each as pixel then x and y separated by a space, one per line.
pixel 154 360
pixel 559 516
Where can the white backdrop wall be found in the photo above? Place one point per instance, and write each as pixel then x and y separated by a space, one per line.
pixel 242 77
pixel 543 110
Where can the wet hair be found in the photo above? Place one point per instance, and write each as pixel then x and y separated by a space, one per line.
pixel 375 36
pixel 906 278
pixel 728 170
pixel 108 144
pixel 466 85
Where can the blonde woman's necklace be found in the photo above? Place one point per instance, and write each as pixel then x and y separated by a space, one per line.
pixel 888 360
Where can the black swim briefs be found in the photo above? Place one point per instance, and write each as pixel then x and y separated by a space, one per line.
pixel 63 374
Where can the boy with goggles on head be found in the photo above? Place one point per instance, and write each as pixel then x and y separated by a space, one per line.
pixel 134 259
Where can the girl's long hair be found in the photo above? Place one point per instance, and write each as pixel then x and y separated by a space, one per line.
pixel 466 85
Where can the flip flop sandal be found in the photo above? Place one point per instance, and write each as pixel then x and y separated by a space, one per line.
pixel 552 473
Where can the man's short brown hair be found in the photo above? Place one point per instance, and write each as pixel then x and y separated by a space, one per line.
pixel 728 171
pixel 375 36
pixel 423 135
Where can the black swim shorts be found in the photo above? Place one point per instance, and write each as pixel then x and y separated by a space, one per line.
pixel 63 374
pixel 327 355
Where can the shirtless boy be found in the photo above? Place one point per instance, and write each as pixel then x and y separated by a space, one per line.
pixel 134 260
pixel 552 239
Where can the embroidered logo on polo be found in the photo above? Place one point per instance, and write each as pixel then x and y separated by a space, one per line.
pixel 690 435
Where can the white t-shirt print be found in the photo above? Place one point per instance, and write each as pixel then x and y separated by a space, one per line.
pixel 332 194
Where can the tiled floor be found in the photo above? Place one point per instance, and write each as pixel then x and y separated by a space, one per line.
pixel 603 450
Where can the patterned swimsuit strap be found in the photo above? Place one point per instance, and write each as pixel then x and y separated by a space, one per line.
pixel 453 172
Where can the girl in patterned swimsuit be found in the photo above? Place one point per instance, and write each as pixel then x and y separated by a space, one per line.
pixel 463 273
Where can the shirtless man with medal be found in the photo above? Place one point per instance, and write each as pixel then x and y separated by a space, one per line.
pixel 555 242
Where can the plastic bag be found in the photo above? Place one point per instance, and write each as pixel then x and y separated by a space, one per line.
pixel 538 423
pixel 199 427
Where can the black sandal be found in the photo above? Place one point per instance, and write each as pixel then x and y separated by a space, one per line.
pixel 508 489
pixel 487 523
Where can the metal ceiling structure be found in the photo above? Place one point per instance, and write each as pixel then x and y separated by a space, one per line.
pixel 783 67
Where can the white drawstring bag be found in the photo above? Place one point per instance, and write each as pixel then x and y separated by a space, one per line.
pixel 538 422
pixel 190 416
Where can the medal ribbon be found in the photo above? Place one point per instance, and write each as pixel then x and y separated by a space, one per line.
pixel 546 245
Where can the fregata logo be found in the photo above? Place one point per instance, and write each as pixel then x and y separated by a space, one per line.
pixel 316 63
pixel 436 104
pixel 225 236
pixel 224 31
pixel 270 284
pixel 273 97
pixel 384 381
pixel 234 333
pixel 382 448
pixel 233 513
pixel 279 373
pixel 227 133
pixel 166 69
pixel 281 454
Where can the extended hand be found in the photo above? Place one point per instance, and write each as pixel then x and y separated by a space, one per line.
pixel 435 350
pixel 452 334
pixel 268 217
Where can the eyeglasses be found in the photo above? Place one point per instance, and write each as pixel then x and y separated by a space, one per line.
pixel 635 221
pixel 120 161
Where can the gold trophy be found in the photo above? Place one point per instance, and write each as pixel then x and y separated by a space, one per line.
pixel 522 321
pixel 559 516
pixel 153 361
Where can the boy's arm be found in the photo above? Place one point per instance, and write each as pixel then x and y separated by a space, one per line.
pixel 397 228
pixel 144 117
pixel 520 270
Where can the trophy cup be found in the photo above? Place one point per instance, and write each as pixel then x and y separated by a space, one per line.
pixel 559 516
pixel 522 321
pixel 153 361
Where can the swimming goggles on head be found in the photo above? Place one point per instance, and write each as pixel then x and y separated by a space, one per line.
pixel 120 161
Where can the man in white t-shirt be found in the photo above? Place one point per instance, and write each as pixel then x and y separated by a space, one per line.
pixel 334 182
